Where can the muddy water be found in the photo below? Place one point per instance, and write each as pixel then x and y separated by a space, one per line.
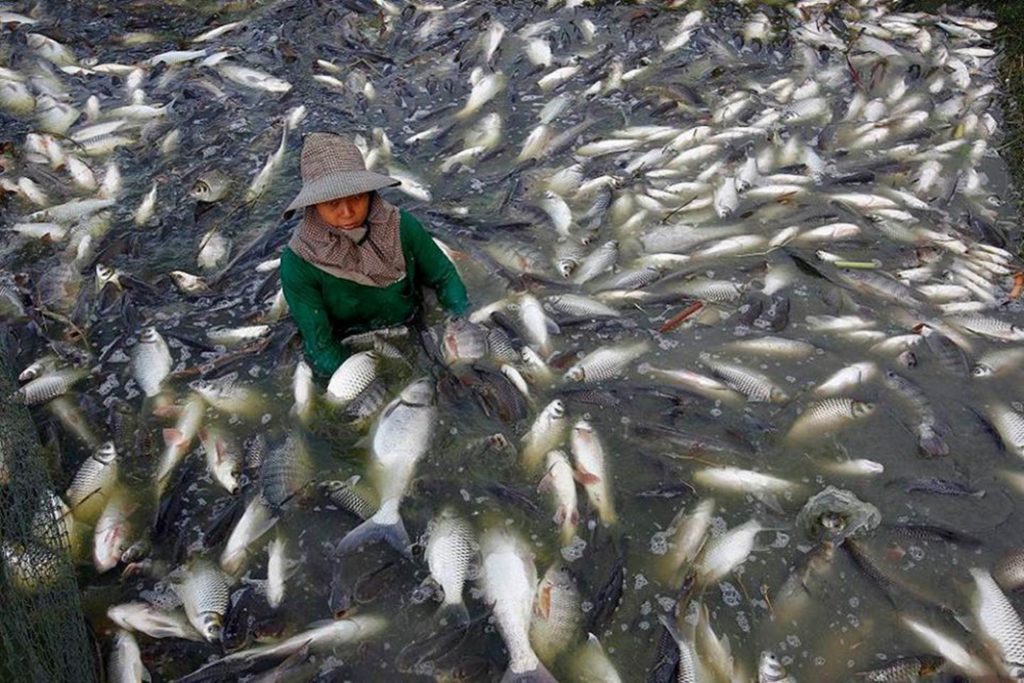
pixel 847 625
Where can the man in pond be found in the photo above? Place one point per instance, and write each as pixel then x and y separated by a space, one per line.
pixel 355 262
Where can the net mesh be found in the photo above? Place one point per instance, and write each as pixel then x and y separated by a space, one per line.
pixel 43 636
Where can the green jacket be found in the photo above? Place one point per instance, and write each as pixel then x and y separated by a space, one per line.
pixel 327 308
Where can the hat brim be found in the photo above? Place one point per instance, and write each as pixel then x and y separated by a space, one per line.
pixel 338 185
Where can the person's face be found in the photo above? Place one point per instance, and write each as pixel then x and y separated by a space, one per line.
pixel 345 213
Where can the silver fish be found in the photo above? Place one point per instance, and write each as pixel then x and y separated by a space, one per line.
pixel 96 476
pixel 256 521
pixel 826 417
pixel 223 457
pixel 557 614
pixel 997 617
pixel 724 553
pixel 154 622
pixel 751 383
pixel 349 496
pixel 560 481
pixel 352 377
pixel 606 362
pixel 125 663
pixel 113 533
pixel 203 589
pixel 47 387
pixel 151 361
pixel 592 470
pixel 450 548
pixel 770 670
pixel 401 437
pixel 546 434
pixel 508 578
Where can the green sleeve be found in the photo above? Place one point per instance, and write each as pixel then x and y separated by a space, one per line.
pixel 434 269
pixel 324 353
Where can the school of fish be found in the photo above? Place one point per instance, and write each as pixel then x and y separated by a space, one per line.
pixel 711 248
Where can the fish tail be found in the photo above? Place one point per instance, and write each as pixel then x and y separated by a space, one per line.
pixel 453 614
pixel 540 674
pixel 385 524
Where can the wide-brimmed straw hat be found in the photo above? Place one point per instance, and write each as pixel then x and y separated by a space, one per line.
pixel 333 167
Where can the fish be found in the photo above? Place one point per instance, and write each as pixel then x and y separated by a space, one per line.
pixel 1009 424
pixel 508 579
pixel 751 383
pixel 690 668
pixel 696 383
pixel 113 534
pixel 319 637
pixel 145 618
pixel 545 434
pixel 998 362
pixel 747 481
pixel 906 669
pixel 940 486
pixel 252 78
pixel 151 361
pixel 279 568
pixel 1008 572
pixel 352 377
pixel 591 663
pixel 230 337
pixel 536 324
pixel 286 471
pixel 229 395
pixel 303 390
pixel 948 648
pixel 485 87
pixel 557 614
pixel 349 496
pixel 96 476
pixel 771 670
pixel 846 379
pixel 50 385
pixel 592 470
pixel 464 341
pixel 125 663
pixel 724 553
pixel 223 457
pixel 826 417
pixel 559 480
pixel 203 589
pixel 256 520
pixel 930 431
pixel 401 437
pixel 266 174
pixel 450 549
pixel 211 186
pixel 1000 622
pixel 606 362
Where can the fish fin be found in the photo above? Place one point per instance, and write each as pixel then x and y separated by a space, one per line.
pixel 453 614
pixel 546 482
pixel 770 501
pixel 173 437
pixel 543 604
pixel 560 515
pixel 428 588
pixel 385 524
pixel 586 478
pixel 574 516
pixel 538 675
pixel 169 410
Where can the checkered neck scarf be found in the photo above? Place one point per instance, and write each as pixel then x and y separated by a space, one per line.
pixel 375 260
